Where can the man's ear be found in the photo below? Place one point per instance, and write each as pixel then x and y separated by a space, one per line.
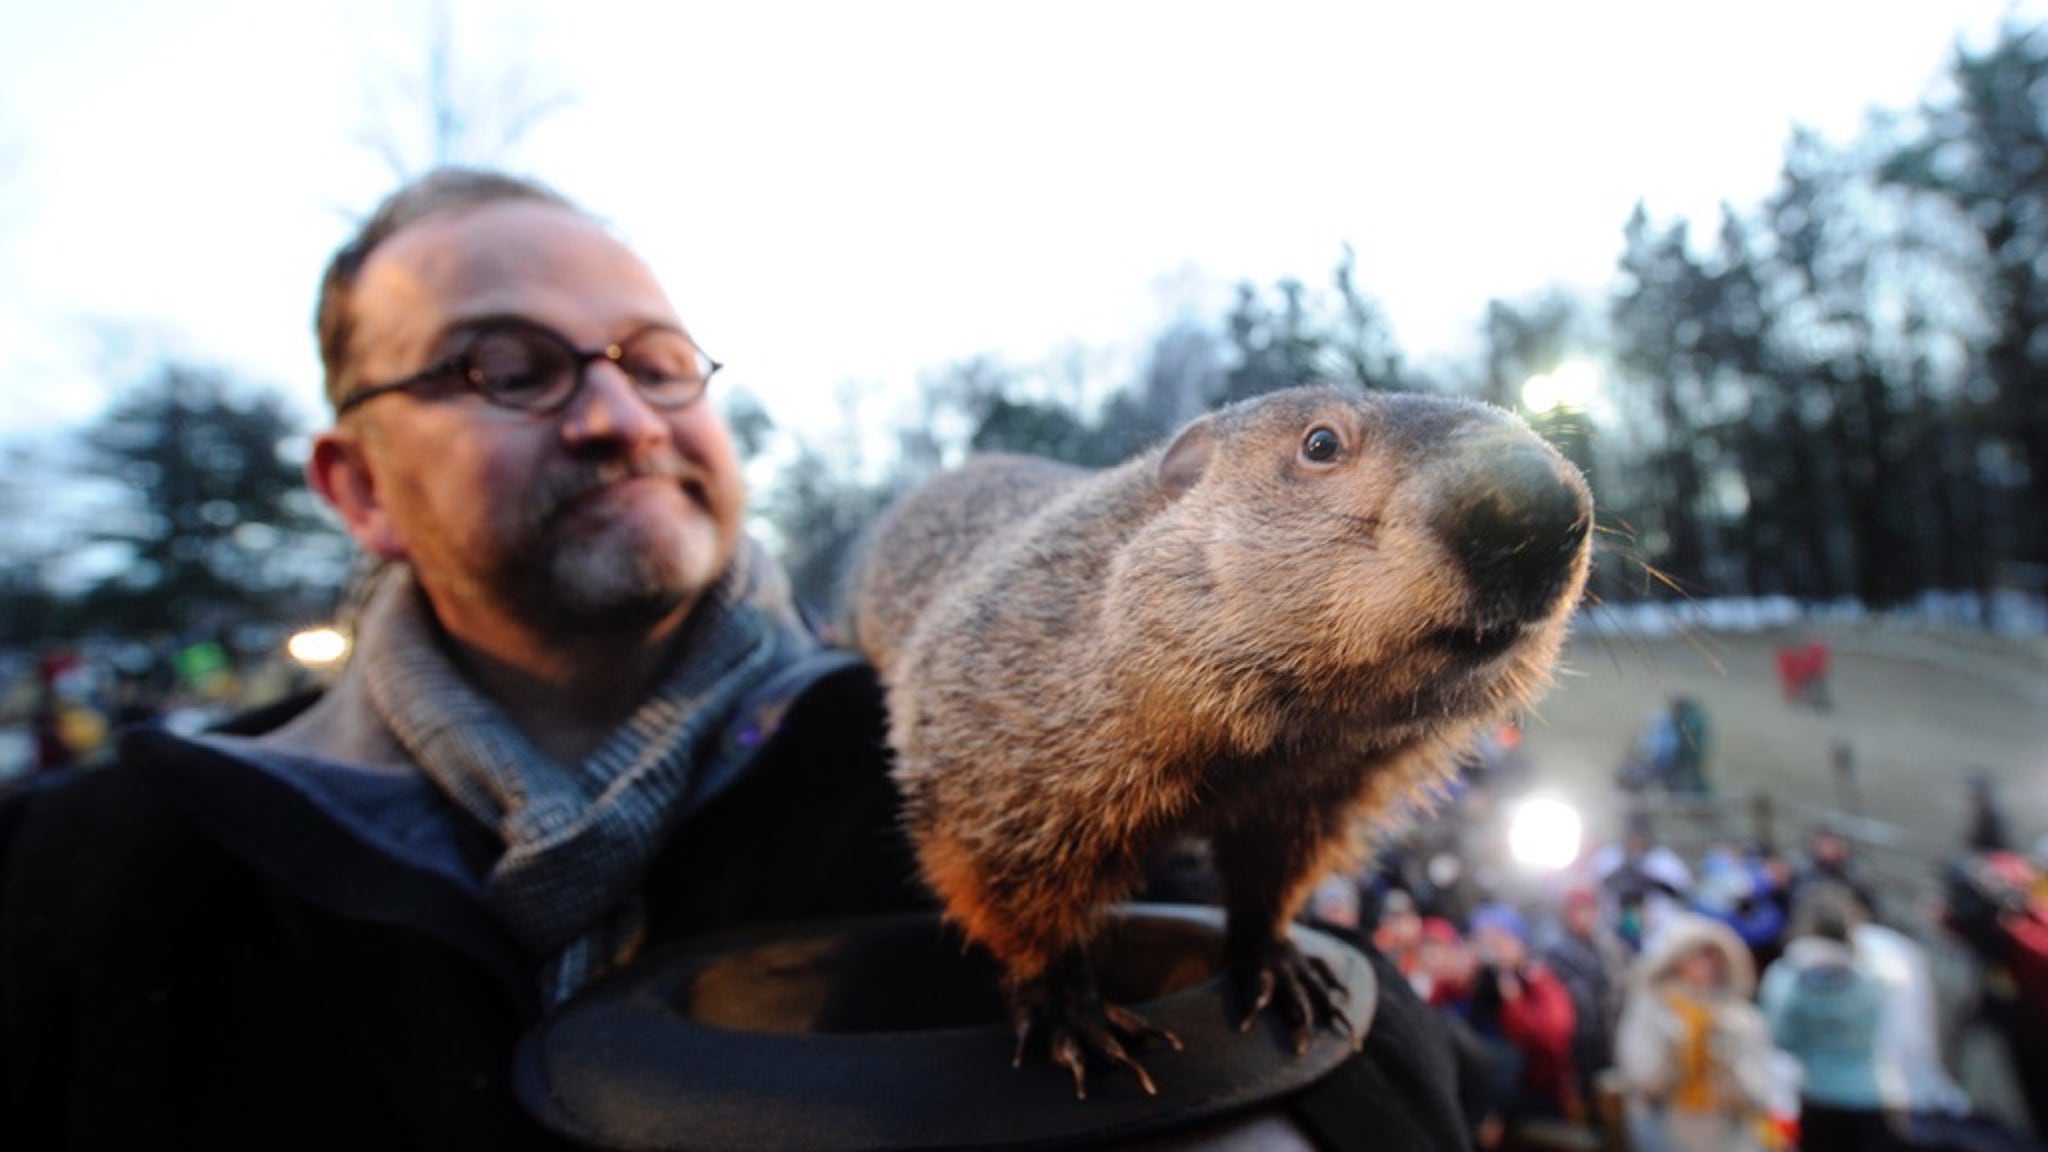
pixel 340 472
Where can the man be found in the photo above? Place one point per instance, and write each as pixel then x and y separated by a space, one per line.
pixel 581 723
pixel 554 743
pixel 1398 937
pixel 1831 870
pixel 1592 962
pixel 1517 1003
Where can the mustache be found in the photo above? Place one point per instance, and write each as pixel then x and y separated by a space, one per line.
pixel 582 478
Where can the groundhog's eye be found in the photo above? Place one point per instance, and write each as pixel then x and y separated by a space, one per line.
pixel 1321 445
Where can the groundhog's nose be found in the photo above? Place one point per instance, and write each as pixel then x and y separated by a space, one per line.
pixel 1516 522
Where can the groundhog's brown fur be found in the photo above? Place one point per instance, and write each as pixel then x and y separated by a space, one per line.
pixel 1230 636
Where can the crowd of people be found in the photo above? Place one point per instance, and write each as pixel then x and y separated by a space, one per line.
pixel 72 701
pixel 1748 999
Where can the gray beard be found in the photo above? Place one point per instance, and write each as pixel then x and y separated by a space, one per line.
pixel 599 583
pixel 578 585
pixel 600 586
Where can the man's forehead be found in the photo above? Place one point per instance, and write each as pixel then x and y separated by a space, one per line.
pixel 469 248
pixel 546 262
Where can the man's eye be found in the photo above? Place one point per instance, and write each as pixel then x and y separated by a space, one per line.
pixel 505 364
pixel 653 371
pixel 653 361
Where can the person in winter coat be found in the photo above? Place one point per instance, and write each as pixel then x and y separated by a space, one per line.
pixel 1516 1001
pixel 1693 1053
pixel 1825 1010
pixel 1592 961
pixel 1997 904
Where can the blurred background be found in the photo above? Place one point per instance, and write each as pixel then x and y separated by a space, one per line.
pixel 1775 275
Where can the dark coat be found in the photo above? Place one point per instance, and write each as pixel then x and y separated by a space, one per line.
pixel 195 954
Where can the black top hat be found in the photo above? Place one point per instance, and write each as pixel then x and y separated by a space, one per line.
pixel 886 1033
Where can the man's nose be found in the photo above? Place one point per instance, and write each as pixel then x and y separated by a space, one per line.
pixel 609 407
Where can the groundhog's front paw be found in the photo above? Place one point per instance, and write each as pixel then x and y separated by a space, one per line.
pixel 1077 1025
pixel 1304 990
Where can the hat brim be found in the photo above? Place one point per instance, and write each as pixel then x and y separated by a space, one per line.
pixel 885 1033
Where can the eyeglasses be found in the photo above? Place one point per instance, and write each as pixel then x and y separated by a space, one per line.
pixel 527 367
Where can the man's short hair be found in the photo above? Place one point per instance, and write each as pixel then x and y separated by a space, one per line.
pixel 441 190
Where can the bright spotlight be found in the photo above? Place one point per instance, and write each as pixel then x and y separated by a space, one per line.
pixel 1574 384
pixel 317 647
pixel 1544 833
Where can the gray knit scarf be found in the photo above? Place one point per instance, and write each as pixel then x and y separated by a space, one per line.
pixel 577 839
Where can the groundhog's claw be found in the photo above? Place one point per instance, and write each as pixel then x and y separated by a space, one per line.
pixel 1078 1024
pixel 1305 991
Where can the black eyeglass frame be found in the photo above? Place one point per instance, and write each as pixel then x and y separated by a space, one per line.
pixel 456 368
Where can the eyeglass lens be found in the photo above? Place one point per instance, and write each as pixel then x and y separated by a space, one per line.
pixel 530 368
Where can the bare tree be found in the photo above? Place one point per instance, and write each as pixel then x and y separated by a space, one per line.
pixel 457 104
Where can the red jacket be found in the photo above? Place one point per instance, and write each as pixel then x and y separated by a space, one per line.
pixel 2027 956
pixel 1539 1022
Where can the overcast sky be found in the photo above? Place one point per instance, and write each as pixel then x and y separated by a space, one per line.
pixel 843 195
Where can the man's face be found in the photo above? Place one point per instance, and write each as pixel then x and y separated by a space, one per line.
pixel 1500 948
pixel 1449 961
pixel 1399 928
pixel 1581 917
pixel 610 512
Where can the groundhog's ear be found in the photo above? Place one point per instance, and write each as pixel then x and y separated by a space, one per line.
pixel 1188 457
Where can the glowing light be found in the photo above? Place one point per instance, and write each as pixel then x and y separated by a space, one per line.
pixel 1574 384
pixel 317 647
pixel 1544 833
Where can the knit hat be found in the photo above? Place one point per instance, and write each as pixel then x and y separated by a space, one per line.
pixel 1499 918
pixel 1439 929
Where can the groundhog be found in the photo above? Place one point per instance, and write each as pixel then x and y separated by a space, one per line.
pixel 1282 624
